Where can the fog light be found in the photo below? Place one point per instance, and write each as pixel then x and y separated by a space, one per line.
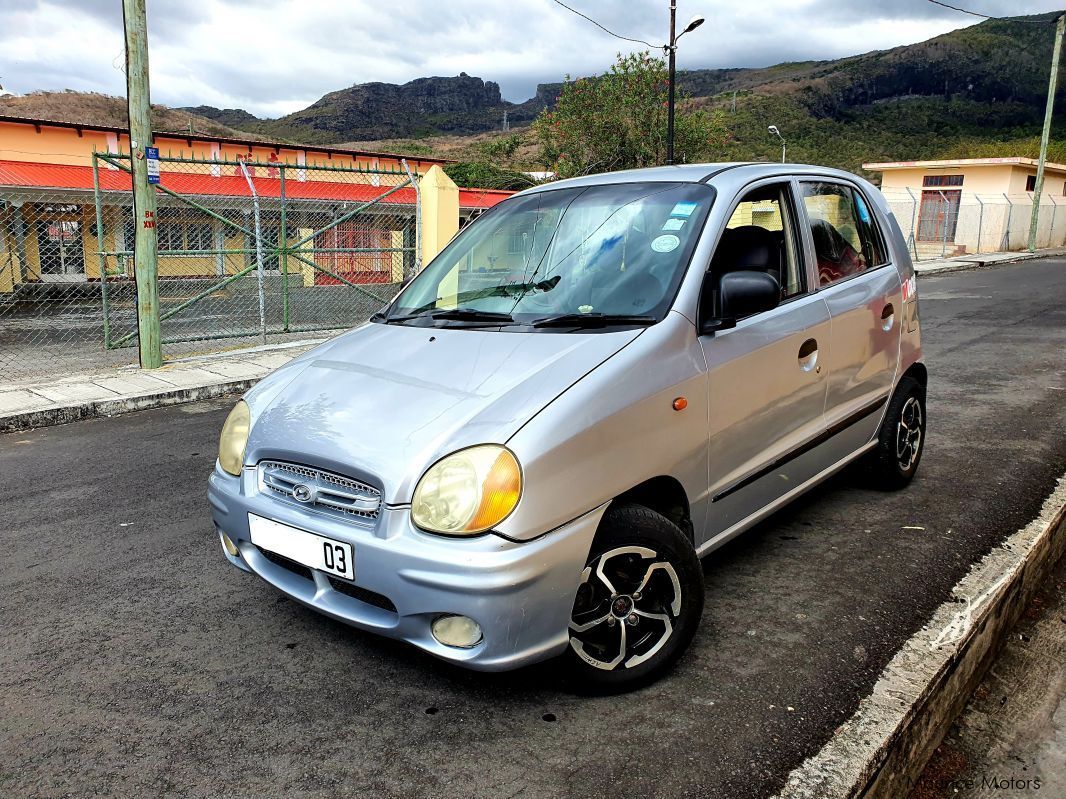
pixel 229 546
pixel 457 631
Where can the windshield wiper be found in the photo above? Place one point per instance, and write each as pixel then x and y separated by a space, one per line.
pixel 510 290
pixel 456 315
pixel 586 320
pixel 471 315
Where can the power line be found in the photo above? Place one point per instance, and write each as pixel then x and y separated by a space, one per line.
pixel 607 30
pixel 985 16
pixel 962 10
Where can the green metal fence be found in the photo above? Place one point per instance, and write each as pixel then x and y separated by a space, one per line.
pixel 254 251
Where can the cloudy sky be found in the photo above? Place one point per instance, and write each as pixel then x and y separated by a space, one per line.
pixel 272 57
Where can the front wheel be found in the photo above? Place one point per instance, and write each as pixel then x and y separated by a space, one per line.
pixel 639 602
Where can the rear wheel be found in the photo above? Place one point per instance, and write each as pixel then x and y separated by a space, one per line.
pixel 901 439
pixel 639 602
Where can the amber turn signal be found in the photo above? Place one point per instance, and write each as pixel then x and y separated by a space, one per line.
pixel 680 404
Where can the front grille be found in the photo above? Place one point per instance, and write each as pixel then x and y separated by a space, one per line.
pixel 362 594
pixel 285 563
pixel 324 491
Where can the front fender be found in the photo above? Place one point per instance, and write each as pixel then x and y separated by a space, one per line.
pixel 616 428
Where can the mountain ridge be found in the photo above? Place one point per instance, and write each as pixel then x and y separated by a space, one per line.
pixel 976 91
pixel 992 61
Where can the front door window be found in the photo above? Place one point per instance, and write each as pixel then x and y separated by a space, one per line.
pixel 761 234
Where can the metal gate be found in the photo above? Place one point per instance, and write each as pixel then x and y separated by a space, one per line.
pixel 252 251
pixel 938 215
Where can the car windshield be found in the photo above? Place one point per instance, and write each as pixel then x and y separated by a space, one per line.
pixel 591 257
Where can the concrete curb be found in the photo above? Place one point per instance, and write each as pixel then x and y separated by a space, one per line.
pixel 75 412
pixel 78 397
pixel 883 748
pixel 966 262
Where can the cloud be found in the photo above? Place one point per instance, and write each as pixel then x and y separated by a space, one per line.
pixel 276 56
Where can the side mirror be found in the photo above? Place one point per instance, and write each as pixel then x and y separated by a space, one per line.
pixel 742 294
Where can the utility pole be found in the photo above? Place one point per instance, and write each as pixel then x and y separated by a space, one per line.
pixel 671 52
pixel 144 203
pixel 1060 24
pixel 670 109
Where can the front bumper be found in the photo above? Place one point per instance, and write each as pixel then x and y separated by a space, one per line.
pixel 521 593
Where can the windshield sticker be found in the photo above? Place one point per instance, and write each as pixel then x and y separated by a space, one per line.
pixel 683 209
pixel 673 224
pixel 665 243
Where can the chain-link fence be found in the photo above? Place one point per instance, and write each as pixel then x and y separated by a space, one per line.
pixel 942 223
pixel 248 252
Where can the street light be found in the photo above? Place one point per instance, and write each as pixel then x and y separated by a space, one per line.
pixel 671 51
pixel 775 132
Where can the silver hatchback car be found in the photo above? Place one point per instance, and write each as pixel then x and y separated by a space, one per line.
pixel 525 454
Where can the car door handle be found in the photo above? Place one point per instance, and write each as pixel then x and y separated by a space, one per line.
pixel 808 356
pixel 888 316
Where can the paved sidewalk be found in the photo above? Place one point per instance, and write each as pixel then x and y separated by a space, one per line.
pixel 1011 738
pixel 982 259
pixel 111 392
pixel 129 388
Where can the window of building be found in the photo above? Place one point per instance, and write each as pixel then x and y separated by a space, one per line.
pixel 942 180
pixel 198 236
pixel 182 229
pixel 1030 183
pixel 169 230
pixel 128 231
pixel 516 242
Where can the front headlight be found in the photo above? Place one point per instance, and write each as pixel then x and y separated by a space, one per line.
pixel 468 492
pixel 234 438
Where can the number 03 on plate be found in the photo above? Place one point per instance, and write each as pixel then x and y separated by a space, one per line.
pixel 308 549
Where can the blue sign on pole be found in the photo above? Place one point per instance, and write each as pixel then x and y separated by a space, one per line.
pixel 151 158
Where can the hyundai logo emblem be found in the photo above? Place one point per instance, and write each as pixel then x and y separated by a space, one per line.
pixel 302 493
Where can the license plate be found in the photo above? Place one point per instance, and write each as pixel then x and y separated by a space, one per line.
pixel 309 549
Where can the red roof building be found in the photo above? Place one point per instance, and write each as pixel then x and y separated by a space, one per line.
pixel 66 205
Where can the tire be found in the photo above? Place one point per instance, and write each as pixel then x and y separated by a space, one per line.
pixel 638 605
pixel 901 440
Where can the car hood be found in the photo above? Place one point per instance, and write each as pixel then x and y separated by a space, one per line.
pixel 383 402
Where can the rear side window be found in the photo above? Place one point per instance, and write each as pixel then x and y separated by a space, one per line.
pixel 873 243
pixel 846 239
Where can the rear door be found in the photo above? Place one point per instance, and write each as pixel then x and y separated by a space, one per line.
pixel 863 292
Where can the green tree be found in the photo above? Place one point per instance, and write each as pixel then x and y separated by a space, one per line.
pixel 480 175
pixel 618 121
pixel 501 148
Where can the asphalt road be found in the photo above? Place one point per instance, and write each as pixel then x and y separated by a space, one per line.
pixel 135 662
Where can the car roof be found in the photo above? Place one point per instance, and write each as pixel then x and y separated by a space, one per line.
pixel 724 175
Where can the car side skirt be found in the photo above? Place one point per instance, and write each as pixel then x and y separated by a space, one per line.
pixel 815 442
pixel 732 532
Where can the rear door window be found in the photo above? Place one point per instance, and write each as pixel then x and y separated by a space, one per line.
pixel 873 243
pixel 846 239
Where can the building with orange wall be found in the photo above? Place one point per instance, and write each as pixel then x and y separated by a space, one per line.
pixel 48 209
pixel 955 206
